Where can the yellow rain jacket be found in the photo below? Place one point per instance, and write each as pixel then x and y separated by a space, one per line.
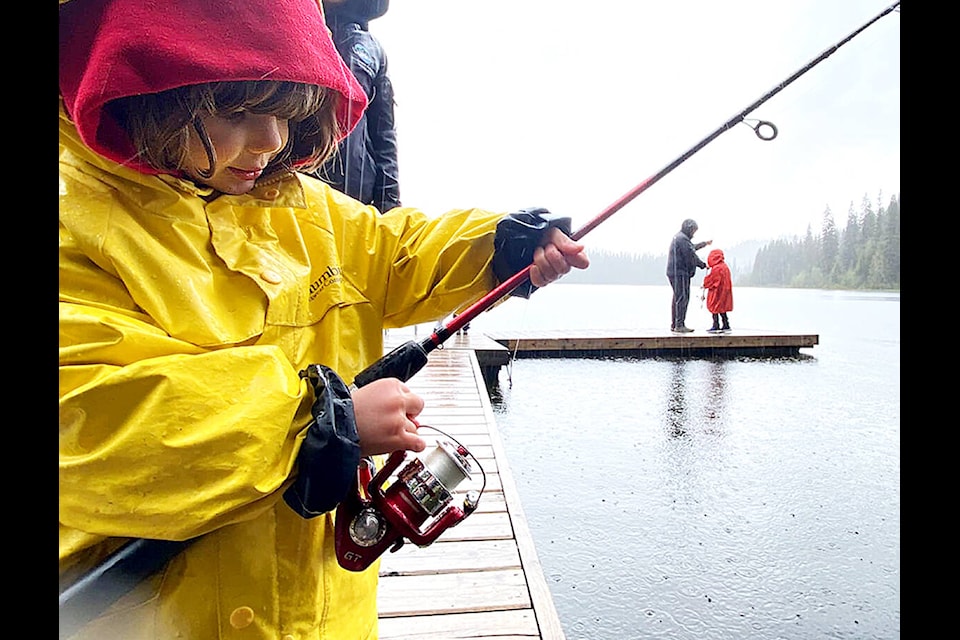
pixel 184 322
pixel 183 326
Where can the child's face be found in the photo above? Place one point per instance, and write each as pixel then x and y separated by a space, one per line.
pixel 244 142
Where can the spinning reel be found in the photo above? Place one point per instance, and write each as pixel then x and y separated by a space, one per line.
pixel 372 519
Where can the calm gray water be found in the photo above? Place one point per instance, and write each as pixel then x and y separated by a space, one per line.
pixel 699 499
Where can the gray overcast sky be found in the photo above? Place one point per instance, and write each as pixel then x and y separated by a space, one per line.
pixel 503 104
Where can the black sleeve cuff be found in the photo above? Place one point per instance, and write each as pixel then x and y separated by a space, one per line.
pixel 330 454
pixel 518 235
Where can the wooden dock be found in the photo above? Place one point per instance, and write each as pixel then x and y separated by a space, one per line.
pixel 481 578
pixel 603 343
pixel 496 349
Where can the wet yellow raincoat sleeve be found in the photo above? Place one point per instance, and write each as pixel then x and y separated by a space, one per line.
pixel 183 326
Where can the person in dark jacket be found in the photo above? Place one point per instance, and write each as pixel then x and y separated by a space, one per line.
pixel 682 265
pixel 365 166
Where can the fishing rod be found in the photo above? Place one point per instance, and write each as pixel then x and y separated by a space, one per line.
pixel 137 560
pixel 408 358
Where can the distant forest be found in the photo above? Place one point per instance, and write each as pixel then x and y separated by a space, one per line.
pixel 864 254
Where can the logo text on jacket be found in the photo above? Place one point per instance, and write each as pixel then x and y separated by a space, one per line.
pixel 328 277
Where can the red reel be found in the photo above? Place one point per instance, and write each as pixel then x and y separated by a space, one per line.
pixel 371 520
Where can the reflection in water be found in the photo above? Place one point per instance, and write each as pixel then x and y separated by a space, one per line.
pixel 676 418
pixel 694 444
pixel 714 406
pixel 686 389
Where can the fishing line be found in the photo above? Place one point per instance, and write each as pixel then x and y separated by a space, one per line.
pixel 764 130
pixel 516 345
pixel 513 357
pixel 483 473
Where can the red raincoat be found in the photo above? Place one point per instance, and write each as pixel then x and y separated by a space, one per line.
pixel 718 283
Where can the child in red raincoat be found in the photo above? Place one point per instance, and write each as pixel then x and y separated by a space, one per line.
pixel 718 286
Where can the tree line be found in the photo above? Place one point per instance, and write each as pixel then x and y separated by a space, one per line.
pixel 864 254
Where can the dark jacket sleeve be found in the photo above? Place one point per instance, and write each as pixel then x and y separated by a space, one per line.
pixel 517 236
pixel 368 61
pixel 383 141
pixel 365 166
pixel 687 257
pixel 330 454
pixel 697 262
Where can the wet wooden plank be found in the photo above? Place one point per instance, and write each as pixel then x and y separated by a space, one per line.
pixel 497 590
pixel 452 556
pixel 481 578
pixel 517 624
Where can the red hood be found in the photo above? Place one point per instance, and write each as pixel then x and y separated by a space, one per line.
pixel 116 48
pixel 714 258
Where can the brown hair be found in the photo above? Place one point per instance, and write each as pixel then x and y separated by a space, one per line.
pixel 159 123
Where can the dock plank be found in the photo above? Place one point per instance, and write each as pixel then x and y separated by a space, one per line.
pixel 481 578
pixel 495 590
pixel 446 556
pixel 516 624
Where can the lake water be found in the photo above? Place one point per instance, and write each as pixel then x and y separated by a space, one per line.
pixel 710 499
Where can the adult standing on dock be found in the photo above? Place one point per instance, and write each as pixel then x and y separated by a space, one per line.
pixel 682 264
pixel 365 166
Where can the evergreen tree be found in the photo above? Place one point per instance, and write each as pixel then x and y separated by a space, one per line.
pixel 887 260
pixel 829 245
pixel 869 244
pixel 868 219
pixel 849 243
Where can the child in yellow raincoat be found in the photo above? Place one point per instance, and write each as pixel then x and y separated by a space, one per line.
pixel 200 272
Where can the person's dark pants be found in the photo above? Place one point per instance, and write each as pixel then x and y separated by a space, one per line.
pixel 681 299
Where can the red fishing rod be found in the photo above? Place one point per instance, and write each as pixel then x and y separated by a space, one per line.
pixel 404 361
pixel 94 592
